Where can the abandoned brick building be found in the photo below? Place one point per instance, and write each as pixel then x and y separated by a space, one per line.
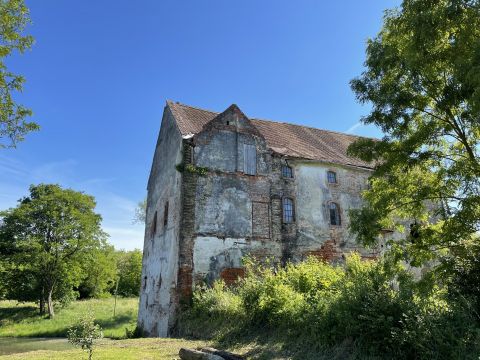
pixel 223 185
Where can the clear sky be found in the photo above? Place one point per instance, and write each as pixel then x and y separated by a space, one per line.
pixel 101 70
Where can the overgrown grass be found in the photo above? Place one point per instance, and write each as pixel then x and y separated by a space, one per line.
pixel 23 320
pixel 365 310
pixel 161 349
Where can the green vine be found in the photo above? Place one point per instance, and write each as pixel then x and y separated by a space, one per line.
pixel 190 168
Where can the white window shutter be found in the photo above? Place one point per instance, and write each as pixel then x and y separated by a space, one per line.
pixel 249 159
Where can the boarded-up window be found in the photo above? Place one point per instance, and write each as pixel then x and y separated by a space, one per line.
pixel 249 159
pixel 260 220
pixel 231 275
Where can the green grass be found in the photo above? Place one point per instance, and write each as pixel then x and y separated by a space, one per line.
pixel 22 319
pixel 117 349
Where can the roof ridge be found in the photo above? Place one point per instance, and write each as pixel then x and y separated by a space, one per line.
pixel 314 128
pixel 275 121
pixel 193 107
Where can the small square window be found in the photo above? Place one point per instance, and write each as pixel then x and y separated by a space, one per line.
pixel 288 210
pixel 332 177
pixel 287 171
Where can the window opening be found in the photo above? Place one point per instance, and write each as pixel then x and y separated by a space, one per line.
pixel 165 215
pixel 332 177
pixel 287 171
pixel 153 230
pixel 334 214
pixel 288 211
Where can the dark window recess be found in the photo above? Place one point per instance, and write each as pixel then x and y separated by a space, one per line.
pixel 287 171
pixel 249 159
pixel 332 177
pixel 153 230
pixel 334 214
pixel 288 210
pixel 165 215
pixel 144 283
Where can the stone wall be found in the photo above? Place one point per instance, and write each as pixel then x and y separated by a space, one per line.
pixel 221 214
pixel 161 245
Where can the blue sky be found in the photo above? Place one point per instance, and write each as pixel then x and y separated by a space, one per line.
pixel 100 72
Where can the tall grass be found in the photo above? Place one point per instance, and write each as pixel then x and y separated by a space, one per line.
pixel 364 309
pixel 22 319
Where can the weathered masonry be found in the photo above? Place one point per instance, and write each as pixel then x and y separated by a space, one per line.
pixel 223 185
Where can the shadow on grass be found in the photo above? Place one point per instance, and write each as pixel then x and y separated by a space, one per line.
pixel 262 343
pixel 18 313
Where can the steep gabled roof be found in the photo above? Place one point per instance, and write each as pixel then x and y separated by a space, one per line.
pixel 285 139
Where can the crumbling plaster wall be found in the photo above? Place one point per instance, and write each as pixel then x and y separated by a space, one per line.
pixel 227 204
pixel 232 209
pixel 160 255
pixel 315 234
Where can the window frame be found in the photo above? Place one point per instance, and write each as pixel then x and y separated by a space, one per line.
pixel 285 166
pixel 338 217
pixel 329 172
pixel 292 216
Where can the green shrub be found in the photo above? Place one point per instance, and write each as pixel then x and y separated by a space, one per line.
pixel 85 333
pixel 376 306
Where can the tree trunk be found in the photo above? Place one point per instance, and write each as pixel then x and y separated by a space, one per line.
pixel 42 305
pixel 51 313
pixel 42 301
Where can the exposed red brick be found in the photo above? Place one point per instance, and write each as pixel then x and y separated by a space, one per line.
pixel 327 252
pixel 185 281
pixel 231 275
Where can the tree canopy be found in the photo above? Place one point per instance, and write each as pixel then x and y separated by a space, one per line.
pixel 14 17
pixel 422 78
pixel 44 239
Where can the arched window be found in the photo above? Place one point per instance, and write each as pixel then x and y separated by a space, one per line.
pixel 332 177
pixel 288 210
pixel 334 214
pixel 287 171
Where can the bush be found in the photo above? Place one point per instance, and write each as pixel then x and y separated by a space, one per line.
pixel 85 333
pixel 376 306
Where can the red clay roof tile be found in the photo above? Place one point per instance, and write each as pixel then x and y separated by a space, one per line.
pixel 286 139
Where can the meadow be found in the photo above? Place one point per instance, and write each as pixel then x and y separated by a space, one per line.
pixel 23 320
pixel 25 334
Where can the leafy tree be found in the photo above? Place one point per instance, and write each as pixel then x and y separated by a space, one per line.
pixel 422 79
pixel 14 17
pixel 99 267
pixel 140 212
pixel 129 272
pixel 44 238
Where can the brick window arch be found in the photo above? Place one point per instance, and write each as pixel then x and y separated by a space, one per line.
pixel 334 211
